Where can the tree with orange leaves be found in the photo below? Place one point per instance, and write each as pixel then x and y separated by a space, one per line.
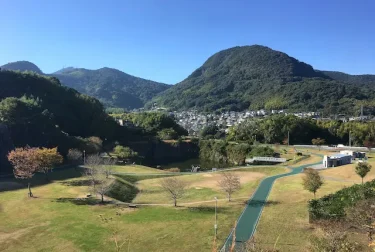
pixel 48 158
pixel 25 164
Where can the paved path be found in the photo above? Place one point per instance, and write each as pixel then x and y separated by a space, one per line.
pixel 248 220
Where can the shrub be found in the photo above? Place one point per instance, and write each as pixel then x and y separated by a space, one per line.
pixel 262 152
pixel 332 241
pixel 333 206
pixel 173 170
pixel 124 152
pixel 122 191
pixel 167 134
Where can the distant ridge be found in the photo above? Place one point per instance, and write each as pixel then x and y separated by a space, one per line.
pixel 362 79
pixel 112 87
pixel 22 66
pixel 238 78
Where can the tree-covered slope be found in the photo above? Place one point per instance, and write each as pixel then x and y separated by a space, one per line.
pixel 361 80
pixel 112 87
pixel 258 77
pixel 22 66
pixel 41 112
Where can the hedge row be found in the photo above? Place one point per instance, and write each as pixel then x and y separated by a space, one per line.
pixel 333 206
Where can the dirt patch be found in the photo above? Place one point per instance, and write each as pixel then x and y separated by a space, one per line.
pixel 211 180
pixel 8 237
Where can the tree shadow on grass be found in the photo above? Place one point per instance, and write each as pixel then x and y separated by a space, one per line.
pixel 82 201
pixel 256 203
pixel 208 209
pixel 82 182
pixel 39 179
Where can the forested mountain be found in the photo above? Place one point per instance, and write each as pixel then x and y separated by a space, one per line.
pixel 259 77
pixel 36 110
pixel 22 66
pixel 361 80
pixel 112 87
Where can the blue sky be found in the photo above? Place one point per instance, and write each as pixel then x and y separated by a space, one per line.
pixel 165 40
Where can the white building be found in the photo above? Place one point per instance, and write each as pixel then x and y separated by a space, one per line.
pixel 336 160
pixel 354 154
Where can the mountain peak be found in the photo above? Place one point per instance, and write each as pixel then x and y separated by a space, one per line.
pixel 258 60
pixel 22 66
pixel 254 77
pixel 64 70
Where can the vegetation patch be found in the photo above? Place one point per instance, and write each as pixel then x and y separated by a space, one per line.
pixel 333 206
pixel 122 190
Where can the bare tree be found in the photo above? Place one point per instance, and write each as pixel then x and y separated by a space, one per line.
pixel 75 156
pixel 102 184
pixel 229 183
pixel 97 172
pixel 92 162
pixel 174 187
pixel 108 165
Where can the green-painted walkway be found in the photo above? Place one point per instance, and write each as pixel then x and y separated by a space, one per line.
pixel 248 220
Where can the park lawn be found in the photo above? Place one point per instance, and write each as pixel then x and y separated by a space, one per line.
pixel 347 172
pixel 203 186
pixel 59 219
pixel 56 221
pixel 287 220
pixel 135 169
pixel 267 170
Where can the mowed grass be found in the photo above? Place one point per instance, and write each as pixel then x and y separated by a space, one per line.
pixel 135 169
pixel 57 220
pixel 287 221
pixel 204 186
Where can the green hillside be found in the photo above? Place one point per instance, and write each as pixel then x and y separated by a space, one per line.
pixel 112 87
pixel 36 110
pixel 259 77
pixel 361 80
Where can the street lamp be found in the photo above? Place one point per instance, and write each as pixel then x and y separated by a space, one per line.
pixel 215 217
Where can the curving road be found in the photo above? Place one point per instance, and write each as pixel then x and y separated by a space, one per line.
pixel 248 220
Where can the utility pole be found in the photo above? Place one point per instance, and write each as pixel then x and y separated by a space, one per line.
pixel 288 137
pixel 84 157
pixel 215 218
pixel 350 139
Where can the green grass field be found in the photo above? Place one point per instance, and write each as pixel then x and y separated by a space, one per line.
pixel 59 218
pixel 136 169
pixel 290 203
